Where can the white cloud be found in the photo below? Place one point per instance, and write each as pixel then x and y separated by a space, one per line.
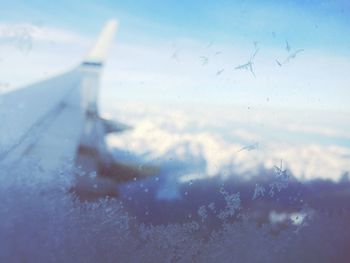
pixel 196 139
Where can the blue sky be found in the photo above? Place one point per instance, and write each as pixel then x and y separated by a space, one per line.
pixel 317 79
pixel 323 24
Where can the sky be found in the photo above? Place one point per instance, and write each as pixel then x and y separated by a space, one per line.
pixel 160 45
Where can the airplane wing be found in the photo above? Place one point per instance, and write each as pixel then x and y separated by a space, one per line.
pixel 57 121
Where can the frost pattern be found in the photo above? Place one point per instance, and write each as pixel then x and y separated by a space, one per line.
pixel 20 36
pixel 42 222
pixel 233 203
pixel 202 212
pixel 281 182
pixel 211 206
pixel 259 191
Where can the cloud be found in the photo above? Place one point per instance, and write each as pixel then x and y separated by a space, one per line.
pixel 198 144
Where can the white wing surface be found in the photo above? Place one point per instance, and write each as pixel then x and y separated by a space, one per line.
pixel 57 120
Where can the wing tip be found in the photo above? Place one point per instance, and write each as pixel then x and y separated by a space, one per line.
pixel 98 53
